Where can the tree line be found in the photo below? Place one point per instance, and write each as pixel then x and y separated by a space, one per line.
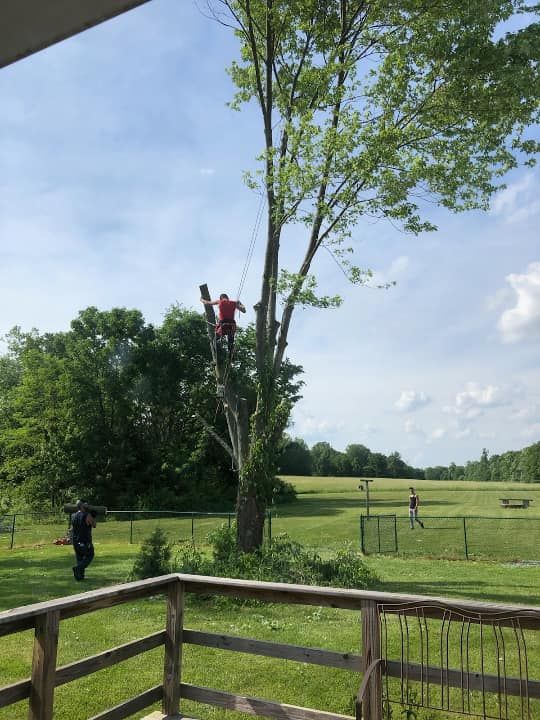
pixel 359 461
pixel 356 461
pixel 110 410
pixel 512 466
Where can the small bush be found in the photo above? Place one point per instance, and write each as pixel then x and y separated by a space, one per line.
pixel 154 557
pixel 283 492
pixel 192 562
pixel 284 560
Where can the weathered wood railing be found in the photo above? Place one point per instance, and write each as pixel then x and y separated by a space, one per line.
pixel 46 618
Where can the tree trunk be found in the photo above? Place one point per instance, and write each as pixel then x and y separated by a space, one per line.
pixel 250 508
pixel 250 516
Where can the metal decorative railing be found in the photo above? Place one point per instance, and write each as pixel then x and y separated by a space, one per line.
pixel 470 663
pixel 468 658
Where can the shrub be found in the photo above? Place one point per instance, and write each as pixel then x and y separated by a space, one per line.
pixel 154 557
pixel 283 492
pixel 284 560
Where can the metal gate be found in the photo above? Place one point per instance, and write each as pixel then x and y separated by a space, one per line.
pixel 378 534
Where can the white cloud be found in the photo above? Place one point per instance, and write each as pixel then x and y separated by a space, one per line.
pixel 412 428
pixel 523 320
pixel 533 431
pixel 310 426
pixel 397 269
pixel 463 433
pixel 410 400
pixel 531 412
pixel 517 202
pixel 438 433
pixel 498 299
pixel 207 171
pixel 471 402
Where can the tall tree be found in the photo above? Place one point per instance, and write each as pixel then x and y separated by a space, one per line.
pixel 367 108
pixel 295 458
pixel 108 410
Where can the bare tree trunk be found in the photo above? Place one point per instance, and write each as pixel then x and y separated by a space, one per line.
pixel 251 504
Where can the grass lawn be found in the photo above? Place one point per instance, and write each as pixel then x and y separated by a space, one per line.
pixel 36 573
pixel 328 511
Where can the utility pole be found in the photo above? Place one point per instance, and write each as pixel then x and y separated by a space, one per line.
pixel 361 487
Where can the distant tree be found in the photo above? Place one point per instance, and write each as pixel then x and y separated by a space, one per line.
pixel 484 472
pixel 395 467
pixel 295 458
pixel 342 464
pixel 377 465
pixel 530 463
pixel 358 458
pixel 322 457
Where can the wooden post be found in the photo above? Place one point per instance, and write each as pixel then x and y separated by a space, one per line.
pixel 371 650
pixel 173 648
pixel 44 666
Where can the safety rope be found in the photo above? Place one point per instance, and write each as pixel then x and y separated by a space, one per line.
pixel 243 277
pixel 249 256
pixel 254 235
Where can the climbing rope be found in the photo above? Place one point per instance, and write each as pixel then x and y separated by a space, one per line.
pixel 243 277
pixel 245 270
pixel 253 241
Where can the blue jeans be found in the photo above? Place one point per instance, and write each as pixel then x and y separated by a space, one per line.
pixel 84 552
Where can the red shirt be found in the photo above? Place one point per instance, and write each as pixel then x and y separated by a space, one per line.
pixel 226 309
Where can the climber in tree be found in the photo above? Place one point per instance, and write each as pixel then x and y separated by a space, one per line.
pixel 226 325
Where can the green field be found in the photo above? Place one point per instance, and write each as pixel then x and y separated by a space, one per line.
pixel 327 509
pixel 328 514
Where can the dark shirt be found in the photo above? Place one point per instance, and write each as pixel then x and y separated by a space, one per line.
pixel 413 502
pixel 82 532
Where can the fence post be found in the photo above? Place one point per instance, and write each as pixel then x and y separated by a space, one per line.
pixel 465 538
pixel 270 527
pixel 371 650
pixel 362 535
pixel 131 528
pixel 379 532
pixel 44 666
pixel 229 519
pixel 13 531
pixel 192 527
pixel 173 648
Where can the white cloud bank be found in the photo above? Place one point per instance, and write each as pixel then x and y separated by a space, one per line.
pixel 471 402
pixel 410 400
pixel 523 320
pixel 518 201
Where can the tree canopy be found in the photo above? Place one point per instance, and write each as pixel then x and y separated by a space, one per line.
pixel 367 109
pixel 108 410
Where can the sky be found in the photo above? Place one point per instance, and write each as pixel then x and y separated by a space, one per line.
pixel 121 186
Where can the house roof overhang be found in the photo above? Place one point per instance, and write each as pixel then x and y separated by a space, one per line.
pixel 27 26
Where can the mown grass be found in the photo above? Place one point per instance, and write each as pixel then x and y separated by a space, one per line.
pixel 38 573
pixel 328 511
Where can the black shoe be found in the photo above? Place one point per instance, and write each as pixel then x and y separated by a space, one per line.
pixel 422 525
pixel 76 573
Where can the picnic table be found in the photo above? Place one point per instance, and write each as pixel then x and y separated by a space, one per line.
pixel 515 502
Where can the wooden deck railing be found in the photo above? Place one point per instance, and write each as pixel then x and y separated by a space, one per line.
pixel 46 619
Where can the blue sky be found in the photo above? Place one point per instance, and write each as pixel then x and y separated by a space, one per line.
pixel 120 175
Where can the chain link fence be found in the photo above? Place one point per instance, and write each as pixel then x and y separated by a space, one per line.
pixel 129 526
pixel 483 538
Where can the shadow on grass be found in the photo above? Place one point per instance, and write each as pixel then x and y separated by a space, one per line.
pixel 28 579
pixel 473 589
pixel 313 505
